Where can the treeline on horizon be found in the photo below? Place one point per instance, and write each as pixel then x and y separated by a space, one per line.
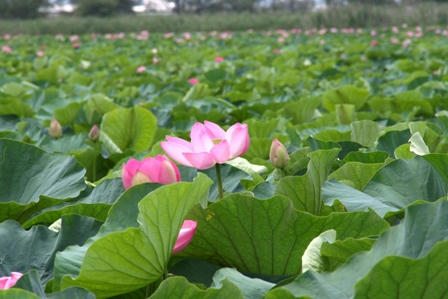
pixel 29 9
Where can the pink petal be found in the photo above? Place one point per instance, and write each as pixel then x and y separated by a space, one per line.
pixel 238 138
pixel 150 167
pixel 215 131
pixel 200 139
pixel 200 160
pixel 176 151
pixel 8 281
pixel 186 233
pixel 221 152
pixel 128 171
pixel 168 173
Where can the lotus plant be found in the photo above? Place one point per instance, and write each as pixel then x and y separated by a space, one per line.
pixel 9 281
pixel 278 154
pixel 210 145
pixel 151 170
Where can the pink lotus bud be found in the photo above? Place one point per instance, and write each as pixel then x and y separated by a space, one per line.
pixel 55 129
pixel 209 145
pixel 94 133
pixel 278 155
pixel 219 59
pixel 76 45
pixel 155 60
pixel 40 53
pixel 186 233
pixel 151 170
pixel 141 69
pixel 9 281
pixel 394 41
pixel 193 81
pixel 374 43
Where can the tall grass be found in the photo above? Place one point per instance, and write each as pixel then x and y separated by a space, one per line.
pixel 355 15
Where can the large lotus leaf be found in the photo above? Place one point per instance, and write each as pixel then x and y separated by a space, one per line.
pixel 391 140
pixel 17 294
pixel 23 250
pixel 179 287
pixel 234 232
pixel 93 203
pixel 252 288
pixel 399 277
pixel 14 106
pixel 423 227
pixel 305 190
pixel 364 132
pixel 122 215
pixel 124 261
pixel 339 252
pixel 132 128
pixel 345 95
pixel 402 182
pixel 356 174
pixel 31 179
pixel 352 199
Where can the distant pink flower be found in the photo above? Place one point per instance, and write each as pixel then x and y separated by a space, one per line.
pixel 193 81
pixel 155 60
pixel 395 30
pixel 374 43
pixel 59 36
pixel 154 51
pixel 187 35
pixel 373 33
pixel 40 53
pixel 185 236
pixel 151 170
pixel 394 40
pixel 334 30
pixel 9 281
pixel 406 43
pixel 277 51
pixel 209 145
pixel 6 49
pixel 280 39
pixel 168 35
pixel 219 59
pixel 141 69
pixel 76 45
pixel 74 38
pixel 7 36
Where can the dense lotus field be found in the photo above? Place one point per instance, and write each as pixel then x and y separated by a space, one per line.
pixel 283 164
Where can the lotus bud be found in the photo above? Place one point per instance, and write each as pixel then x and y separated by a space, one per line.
pixel 278 155
pixel 55 129
pixel 94 133
pixel 185 235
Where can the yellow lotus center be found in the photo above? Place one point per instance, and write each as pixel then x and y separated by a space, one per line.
pixel 140 178
pixel 216 141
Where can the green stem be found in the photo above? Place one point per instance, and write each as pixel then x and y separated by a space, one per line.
pixel 219 179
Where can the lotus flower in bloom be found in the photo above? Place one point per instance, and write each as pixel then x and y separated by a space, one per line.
pixel 185 235
pixel 209 145
pixel 9 281
pixel 193 81
pixel 6 49
pixel 219 59
pixel 151 170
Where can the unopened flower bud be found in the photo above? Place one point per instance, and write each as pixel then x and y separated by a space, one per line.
pixel 278 155
pixel 94 133
pixel 55 129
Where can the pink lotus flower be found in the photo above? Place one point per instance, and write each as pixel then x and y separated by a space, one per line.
pixel 374 43
pixel 151 170
pixel 219 59
pixel 6 49
pixel 76 45
pixel 394 40
pixel 155 60
pixel 185 235
pixel 141 69
pixel 193 81
pixel 209 145
pixel 9 281
pixel 40 53
pixel 406 43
